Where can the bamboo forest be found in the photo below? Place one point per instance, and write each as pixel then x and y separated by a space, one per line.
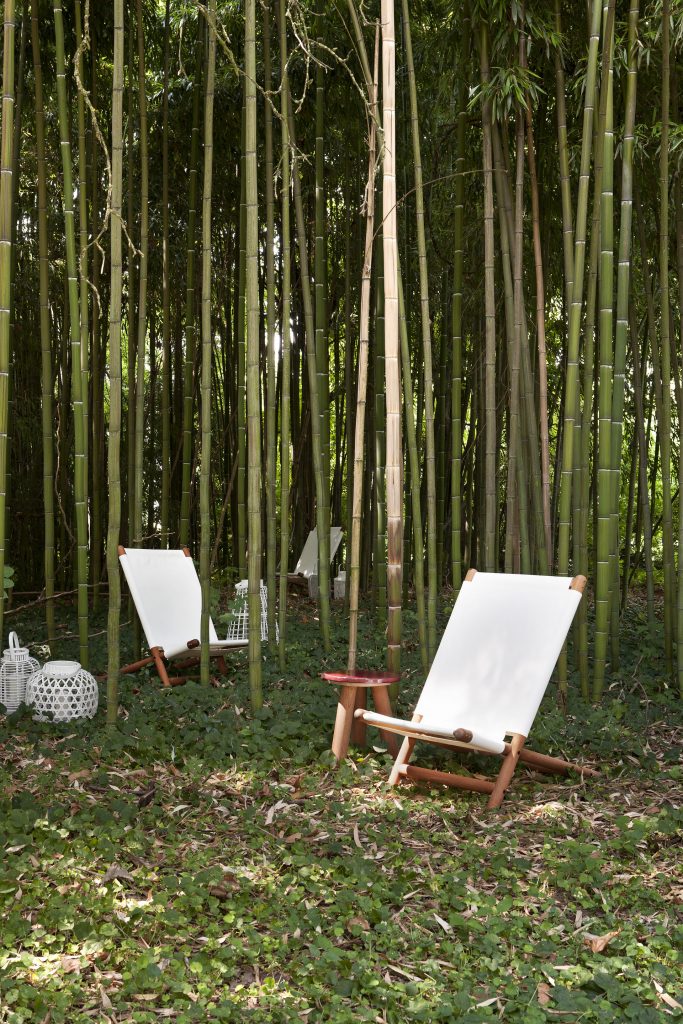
pixel 341 452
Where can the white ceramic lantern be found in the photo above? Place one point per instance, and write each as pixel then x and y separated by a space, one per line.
pixel 62 691
pixel 15 671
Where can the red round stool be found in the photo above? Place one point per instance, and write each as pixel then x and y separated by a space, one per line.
pixel 353 695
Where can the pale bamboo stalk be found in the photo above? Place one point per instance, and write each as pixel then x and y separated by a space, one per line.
pixel 430 452
pixel 362 373
pixel 391 342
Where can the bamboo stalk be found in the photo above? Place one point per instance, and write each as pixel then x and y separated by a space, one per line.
pixel 252 342
pixel 80 462
pixel 391 342
pixel 207 347
pixel 6 185
pixel 45 342
pixel 362 373
pixel 114 447
pixel 284 331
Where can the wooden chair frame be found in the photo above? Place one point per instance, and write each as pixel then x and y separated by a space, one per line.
pixel 514 751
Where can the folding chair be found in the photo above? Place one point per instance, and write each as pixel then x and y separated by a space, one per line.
pixel 488 678
pixel 168 599
pixel 306 570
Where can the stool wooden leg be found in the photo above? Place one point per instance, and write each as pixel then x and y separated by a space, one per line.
pixel 359 728
pixel 344 720
pixel 383 705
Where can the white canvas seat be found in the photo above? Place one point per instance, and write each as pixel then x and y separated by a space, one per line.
pixel 306 570
pixel 168 599
pixel 489 674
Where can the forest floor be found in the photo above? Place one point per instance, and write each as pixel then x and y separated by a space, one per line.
pixel 205 864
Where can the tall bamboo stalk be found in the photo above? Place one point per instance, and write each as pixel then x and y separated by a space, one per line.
pixel 114 448
pixel 271 408
pixel 285 331
pixel 83 284
pixel 45 344
pixel 571 403
pixel 139 440
pixel 5 264
pixel 603 589
pixel 391 342
pixel 253 384
pixel 190 313
pixel 457 331
pixel 623 285
pixel 430 452
pixel 165 512
pixel 80 463
pixel 316 443
pixel 490 315
pixel 207 347
pixel 362 372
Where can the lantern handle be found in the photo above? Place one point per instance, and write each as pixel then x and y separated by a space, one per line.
pixel 13 641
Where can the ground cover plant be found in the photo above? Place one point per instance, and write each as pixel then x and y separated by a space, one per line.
pixel 203 863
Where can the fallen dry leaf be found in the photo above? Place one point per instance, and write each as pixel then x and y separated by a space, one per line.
pixel 116 871
pixel 543 993
pixel 597 943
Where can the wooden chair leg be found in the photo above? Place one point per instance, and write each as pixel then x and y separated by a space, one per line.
pixel 222 665
pixel 343 722
pixel 160 666
pixel 403 756
pixel 507 770
pixel 359 729
pixel 135 666
pixel 553 764
pixel 383 705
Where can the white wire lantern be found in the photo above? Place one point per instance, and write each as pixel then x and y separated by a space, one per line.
pixel 62 691
pixel 16 669
pixel 238 626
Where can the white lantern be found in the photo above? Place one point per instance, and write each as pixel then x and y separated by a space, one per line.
pixel 238 626
pixel 62 691
pixel 15 671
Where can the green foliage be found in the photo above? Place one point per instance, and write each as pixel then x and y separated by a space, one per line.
pixel 200 865
pixel 8 580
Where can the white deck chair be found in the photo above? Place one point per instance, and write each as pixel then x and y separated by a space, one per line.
pixel 489 676
pixel 307 566
pixel 167 594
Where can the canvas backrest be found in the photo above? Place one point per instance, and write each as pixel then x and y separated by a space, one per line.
pixel 165 588
pixel 308 560
pixel 498 652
